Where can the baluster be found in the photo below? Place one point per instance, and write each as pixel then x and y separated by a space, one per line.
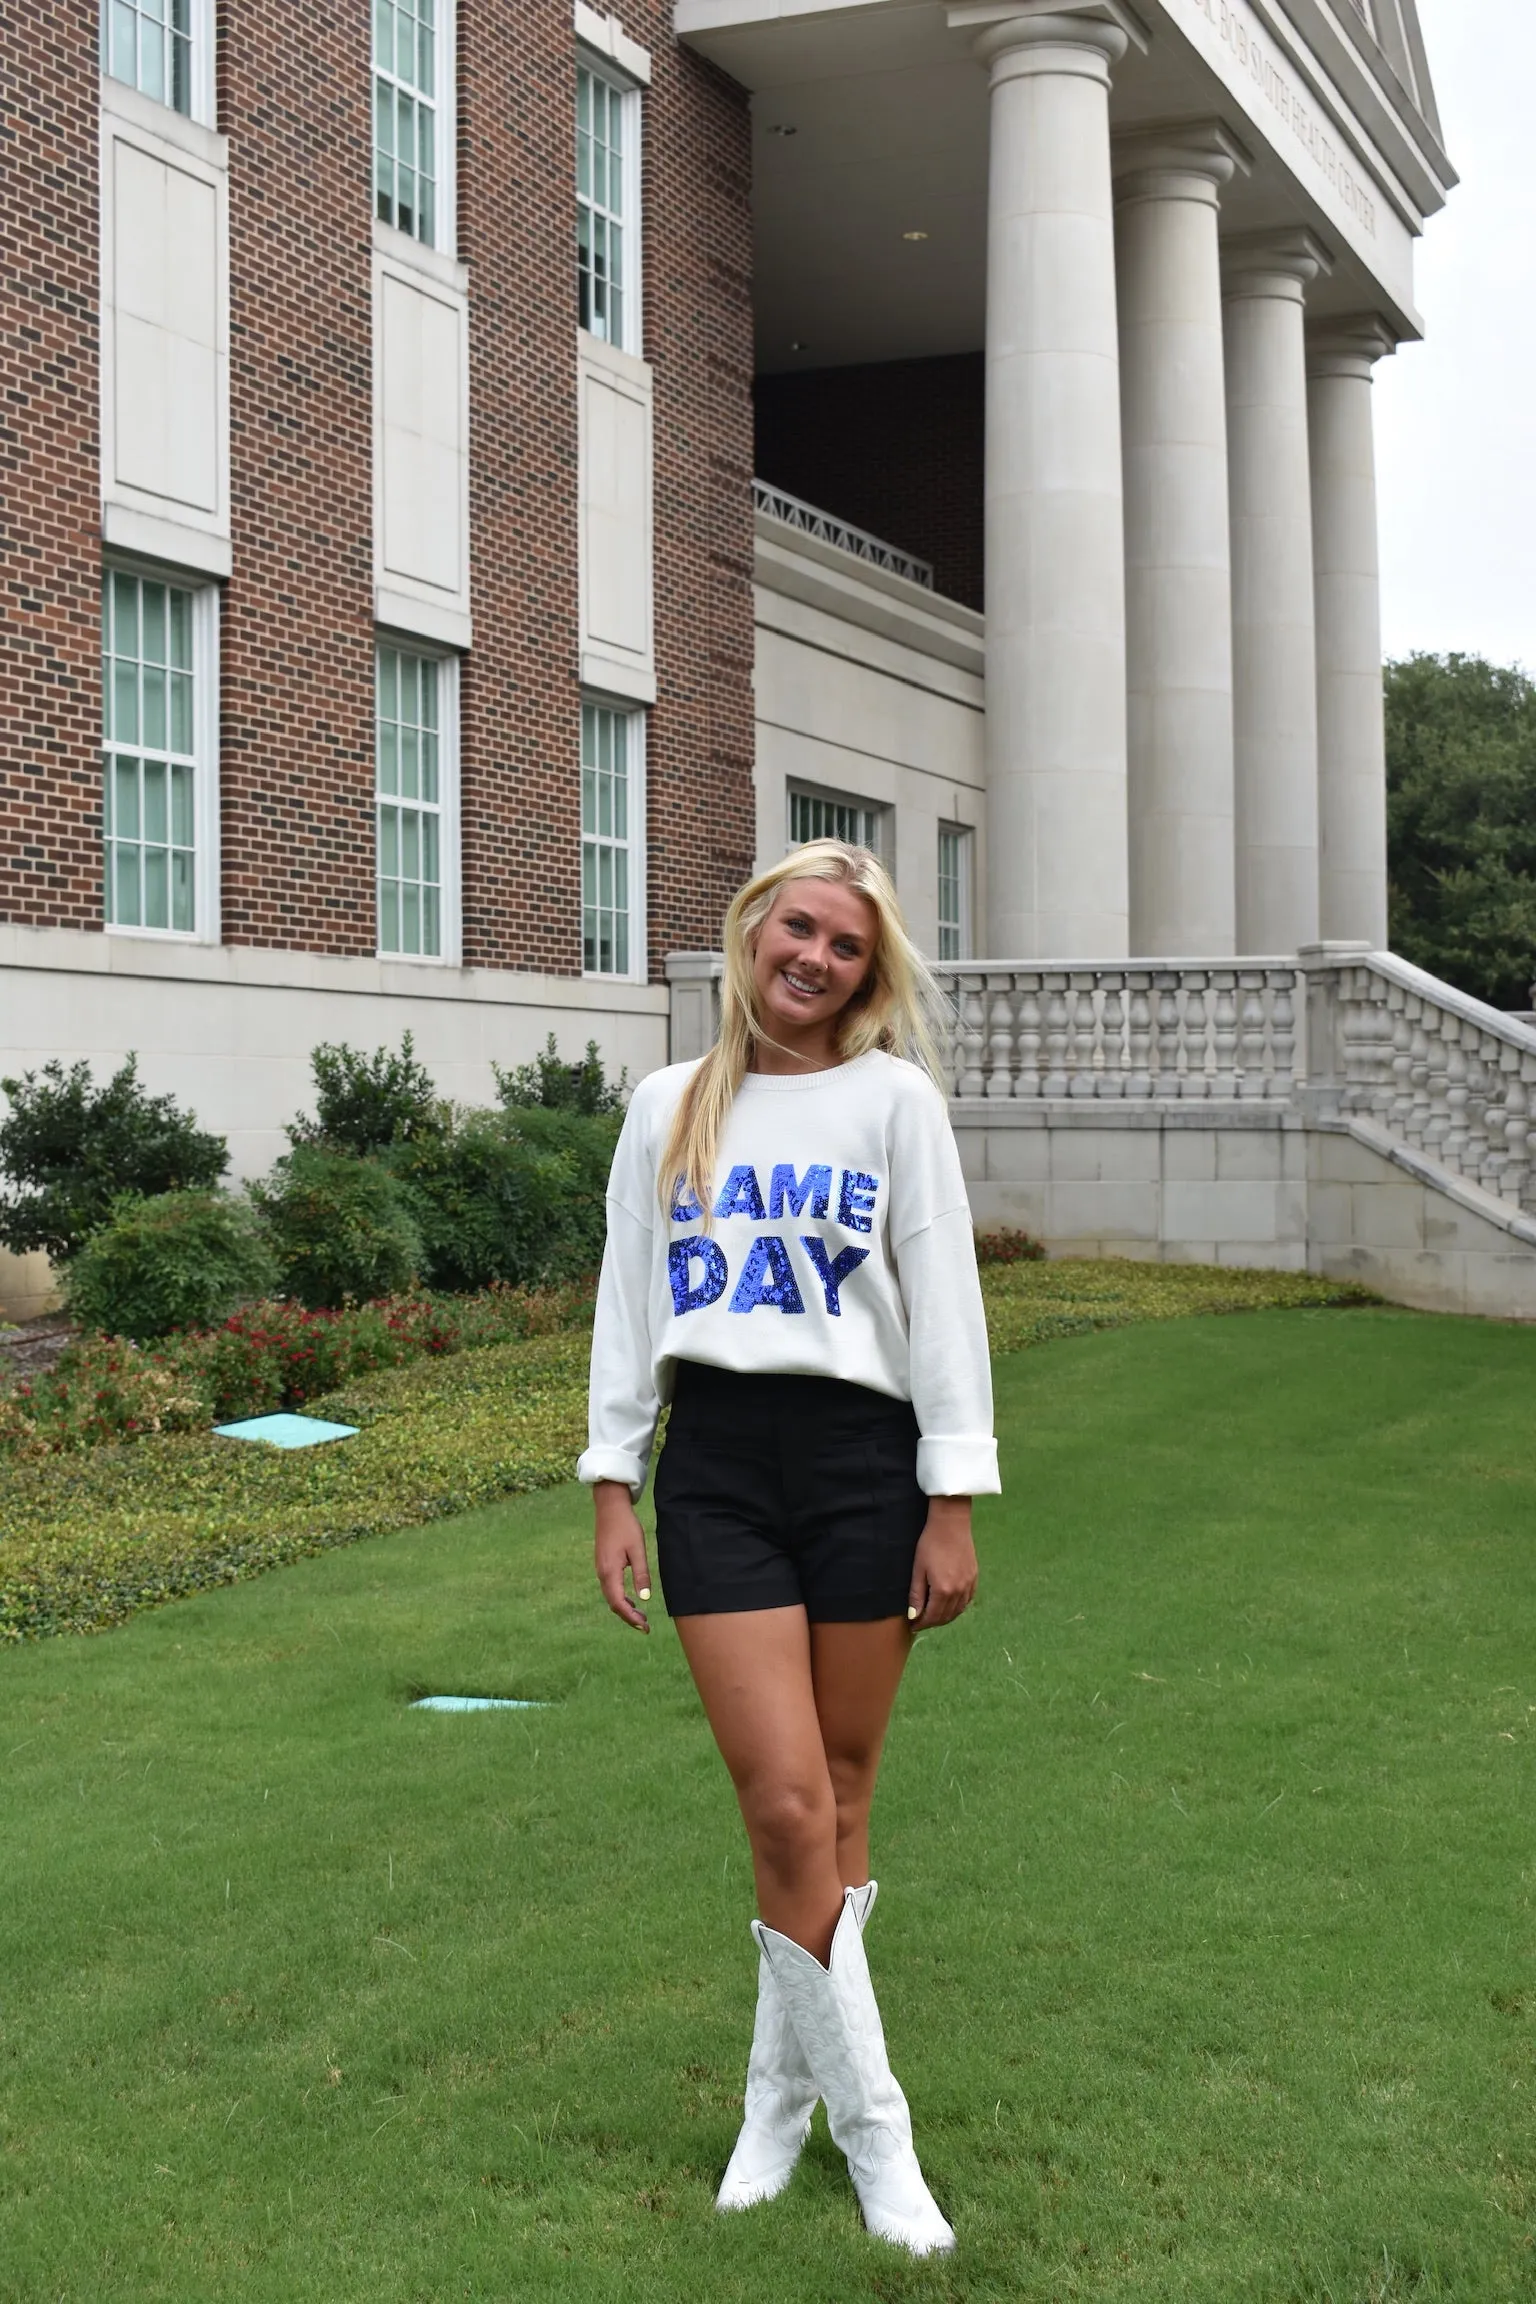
pixel 1437 1079
pixel 1453 1144
pixel 972 1079
pixel 1517 1132
pixel 1355 1095
pixel 1252 1081
pixel 1196 1081
pixel 1112 1080
pixel 1282 1033
pixel 1055 1081
pixel 1475 1157
pixel 1082 1046
pixel 1224 1081
pixel 1000 1039
pixel 1503 1063
pixel 1165 1061
pixel 1418 1072
pixel 1400 1097
pixel 1028 1081
pixel 1138 1079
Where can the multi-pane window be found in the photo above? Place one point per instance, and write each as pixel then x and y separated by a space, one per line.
pixel 606 119
pixel 405 123
pixel 411 803
pixel 149 44
pixel 149 729
pixel 610 824
pixel 833 816
pixel 954 892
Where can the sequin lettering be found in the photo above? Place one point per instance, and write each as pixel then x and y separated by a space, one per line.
pixel 685 1209
pixel 680 1256
pixel 832 1271
pixel 741 1195
pixel 767 1278
pixel 788 1194
pixel 856 1200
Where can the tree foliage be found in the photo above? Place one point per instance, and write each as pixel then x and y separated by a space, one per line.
pixel 1461 817
pixel 549 1081
pixel 68 1150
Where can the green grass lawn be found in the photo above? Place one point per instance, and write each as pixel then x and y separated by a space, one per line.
pixel 1206 1942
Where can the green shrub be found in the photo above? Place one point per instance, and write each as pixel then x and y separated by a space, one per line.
pixel 585 1140
pixel 490 1205
pixel 560 1087
pixel 363 1103
pixel 179 1260
pixel 341 1228
pixel 102 1389
pixel 70 1150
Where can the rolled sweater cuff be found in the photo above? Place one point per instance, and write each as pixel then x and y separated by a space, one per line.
pixel 957 1465
pixel 611 1464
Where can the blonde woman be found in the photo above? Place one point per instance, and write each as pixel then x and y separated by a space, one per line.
pixel 790 1262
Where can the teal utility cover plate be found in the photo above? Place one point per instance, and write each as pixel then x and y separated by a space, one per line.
pixel 478 1704
pixel 286 1431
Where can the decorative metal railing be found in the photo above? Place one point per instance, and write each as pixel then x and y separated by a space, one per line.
pixel 1180 1030
pixel 778 504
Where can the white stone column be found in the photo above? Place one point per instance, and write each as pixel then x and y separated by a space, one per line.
pixel 1178 571
pixel 1055 546
pixel 1351 731
pixel 1274 646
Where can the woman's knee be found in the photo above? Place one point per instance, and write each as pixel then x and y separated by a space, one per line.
pixel 791 1823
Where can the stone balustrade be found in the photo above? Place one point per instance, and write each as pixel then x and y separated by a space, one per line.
pixel 1442 1075
pixel 1159 1032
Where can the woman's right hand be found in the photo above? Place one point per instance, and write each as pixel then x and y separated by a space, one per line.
pixel 620 1544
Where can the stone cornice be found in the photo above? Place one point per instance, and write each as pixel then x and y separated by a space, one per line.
pixel 1253 262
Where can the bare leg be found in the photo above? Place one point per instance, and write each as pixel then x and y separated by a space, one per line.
pixel 856 1670
pixel 799 1712
pixel 753 1671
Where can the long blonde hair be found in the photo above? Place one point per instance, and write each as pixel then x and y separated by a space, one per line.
pixel 896 1008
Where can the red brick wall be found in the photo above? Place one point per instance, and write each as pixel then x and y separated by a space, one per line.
pixel 296 754
pixel 296 744
pixel 521 703
pixel 50 510
pixel 896 448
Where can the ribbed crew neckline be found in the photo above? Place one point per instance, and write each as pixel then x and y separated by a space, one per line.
pixel 796 1083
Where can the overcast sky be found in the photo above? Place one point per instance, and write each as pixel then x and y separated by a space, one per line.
pixel 1456 415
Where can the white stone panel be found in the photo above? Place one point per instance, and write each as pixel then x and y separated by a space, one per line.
pixel 421 349
pixel 165 332
pixel 616 492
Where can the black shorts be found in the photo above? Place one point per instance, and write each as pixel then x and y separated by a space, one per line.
pixel 781 1491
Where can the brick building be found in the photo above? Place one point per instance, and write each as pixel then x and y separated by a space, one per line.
pixel 396 637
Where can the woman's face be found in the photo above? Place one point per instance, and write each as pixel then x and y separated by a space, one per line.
pixel 813 953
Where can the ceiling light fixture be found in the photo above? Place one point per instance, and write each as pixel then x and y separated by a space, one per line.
pixel 783 128
pixel 914 235
pixel 797 346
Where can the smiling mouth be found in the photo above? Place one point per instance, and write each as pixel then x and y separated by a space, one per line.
pixel 798 984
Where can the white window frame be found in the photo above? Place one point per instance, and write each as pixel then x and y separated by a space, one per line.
pixel 201 90
pixel 205 756
pixel 449 810
pixel 445 222
pixel 965 876
pixel 632 335
pixel 624 709
pixel 798 788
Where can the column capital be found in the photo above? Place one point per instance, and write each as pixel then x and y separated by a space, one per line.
pixel 1281 264
pixel 1177 160
pixel 1350 346
pixel 1022 31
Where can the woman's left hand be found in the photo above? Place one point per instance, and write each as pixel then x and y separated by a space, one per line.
pixel 944 1571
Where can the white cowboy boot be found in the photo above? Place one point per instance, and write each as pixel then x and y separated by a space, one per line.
pixel 781 2095
pixel 833 2010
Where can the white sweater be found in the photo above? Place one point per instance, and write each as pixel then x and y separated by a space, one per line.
pixel 841 1246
